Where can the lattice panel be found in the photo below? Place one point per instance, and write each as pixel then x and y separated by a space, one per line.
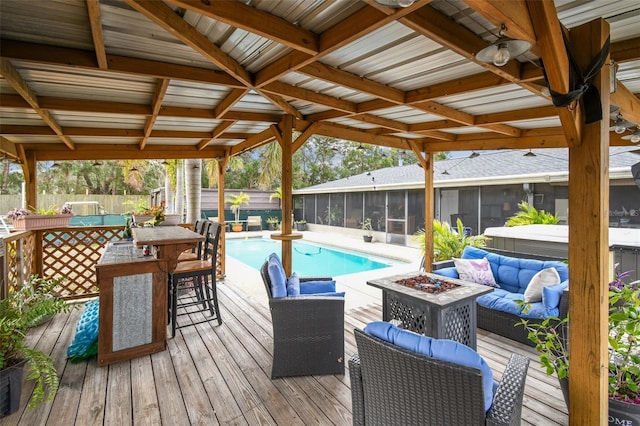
pixel 73 254
pixel 19 258
pixel 457 325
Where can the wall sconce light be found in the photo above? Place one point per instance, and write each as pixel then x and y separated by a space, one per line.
pixel 503 49
pixel 474 154
pixel 530 154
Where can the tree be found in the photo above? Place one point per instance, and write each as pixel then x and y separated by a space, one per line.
pixel 236 201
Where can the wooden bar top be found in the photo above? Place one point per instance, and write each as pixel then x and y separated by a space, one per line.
pixel 164 235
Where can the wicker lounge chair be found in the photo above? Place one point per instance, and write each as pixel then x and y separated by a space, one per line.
pixel 308 333
pixel 394 386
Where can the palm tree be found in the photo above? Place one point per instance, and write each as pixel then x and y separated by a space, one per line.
pixel 193 186
pixel 270 165
pixel 236 201
pixel 212 165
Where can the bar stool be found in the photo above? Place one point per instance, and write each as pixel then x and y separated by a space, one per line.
pixel 193 287
pixel 202 228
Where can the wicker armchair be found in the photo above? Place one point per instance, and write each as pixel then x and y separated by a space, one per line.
pixel 308 333
pixel 394 386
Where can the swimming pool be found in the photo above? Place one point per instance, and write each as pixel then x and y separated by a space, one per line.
pixel 308 259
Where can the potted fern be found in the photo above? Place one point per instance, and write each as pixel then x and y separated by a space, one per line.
pixel 25 307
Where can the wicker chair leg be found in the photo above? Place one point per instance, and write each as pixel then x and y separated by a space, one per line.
pixel 357 392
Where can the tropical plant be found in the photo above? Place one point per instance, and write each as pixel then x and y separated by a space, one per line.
pixel 551 335
pixel 25 307
pixel 448 242
pixel 273 220
pixel 17 213
pixel 236 201
pixel 529 215
pixel 277 194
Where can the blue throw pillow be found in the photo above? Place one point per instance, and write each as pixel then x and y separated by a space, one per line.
pixel 293 285
pixel 312 287
pixel 442 349
pixel 276 276
pixel 551 295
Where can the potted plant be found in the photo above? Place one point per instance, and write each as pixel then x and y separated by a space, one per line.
pixel 551 336
pixel 273 223
pixel 368 229
pixel 25 307
pixel 236 201
pixel 42 218
pixel 449 242
pixel 301 225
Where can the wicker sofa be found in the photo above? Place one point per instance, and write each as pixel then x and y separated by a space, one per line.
pixel 393 385
pixel 495 320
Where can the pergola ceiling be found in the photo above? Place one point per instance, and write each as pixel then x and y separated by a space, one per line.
pixel 112 79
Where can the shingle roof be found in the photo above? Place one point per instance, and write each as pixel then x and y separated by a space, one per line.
pixel 509 166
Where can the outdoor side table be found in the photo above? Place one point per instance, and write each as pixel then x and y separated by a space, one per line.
pixel 448 315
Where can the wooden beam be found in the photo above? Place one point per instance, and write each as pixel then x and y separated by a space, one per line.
pixel 455 87
pixel 517 115
pixel 8 148
pixel 628 102
pixel 303 137
pixel 13 77
pixel 166 18
pixel 556 63
pixel 343 132
pixel 76 58
pixel 352 81
pixel 161 90
pixel 240 15
pixel 58 152
pixel 281 103
pixel 521 142
pixel 93 9
pixel 589 267
pixel 218 131
pixel 429 210
pixel 443 30
pixel 229 101
pixel 252 142
pixel 115 133
pixel 294 92
pixel 513 14
pixel 626 50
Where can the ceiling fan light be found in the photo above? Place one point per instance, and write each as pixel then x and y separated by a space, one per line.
pixel 405 3
pixel 396 3
pixel 633 137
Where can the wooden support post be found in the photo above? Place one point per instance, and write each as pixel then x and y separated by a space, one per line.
pixel 589 245
pixel 428 211
pixel 30 180
pixel 286 131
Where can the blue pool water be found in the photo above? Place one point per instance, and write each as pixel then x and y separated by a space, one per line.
pixel 308 259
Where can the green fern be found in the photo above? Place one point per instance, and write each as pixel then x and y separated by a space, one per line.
pixel 529 215
pixel 447 242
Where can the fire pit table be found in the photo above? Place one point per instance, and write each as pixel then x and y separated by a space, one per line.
pixel 429 304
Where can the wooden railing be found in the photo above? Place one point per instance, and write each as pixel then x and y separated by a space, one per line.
pixel 70 253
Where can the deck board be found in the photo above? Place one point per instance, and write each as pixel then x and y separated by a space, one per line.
pixel 213 374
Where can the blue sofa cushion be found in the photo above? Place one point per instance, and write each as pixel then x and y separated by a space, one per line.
pixel 327 294
pixel 442 349
pixel 505 301
pixel 551 297
pixel 293 285
pixel 310 287
pixel 511 273
pixel 276 276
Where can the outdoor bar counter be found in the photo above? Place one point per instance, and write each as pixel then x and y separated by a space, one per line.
pixel 133 303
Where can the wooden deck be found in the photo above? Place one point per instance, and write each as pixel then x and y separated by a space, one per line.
pixel 221 375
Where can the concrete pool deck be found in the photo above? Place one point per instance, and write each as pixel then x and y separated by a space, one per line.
pixel 357 292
